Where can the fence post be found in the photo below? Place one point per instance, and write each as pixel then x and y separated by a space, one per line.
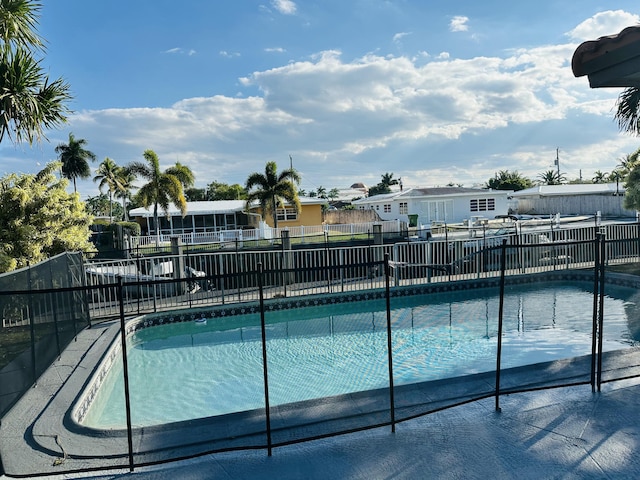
pixel 392 407
pixel 264 357
pixel 503 264
pixel 286 260
pixel 32 328
pixel 55 311
pixel 125 372
pixel 595 325
pixel 603 246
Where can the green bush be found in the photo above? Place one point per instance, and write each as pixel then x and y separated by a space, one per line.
pixel 130 228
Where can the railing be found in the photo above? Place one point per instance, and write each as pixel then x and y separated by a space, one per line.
pixel 271 282
pixel 224 278
pixel 266 233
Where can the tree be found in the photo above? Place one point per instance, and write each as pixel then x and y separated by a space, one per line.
pixel 388 180
pixel 195 194
pixel 124 185
pixel 39 219
pixel 74 158
pixel 600 176
pixel 321 192
pixel 224 191
pixel 551 177
pixel 273 189
pixel 108 175
pixel 508 180
pixel 628 162
pixel 333 194
pixel 628 108
pixel 632 190
pixel 384 186
pixel 29 101
pixel 162 188
pixel 101 206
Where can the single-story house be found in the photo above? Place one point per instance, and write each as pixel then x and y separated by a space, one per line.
pixel 215 216
pixel 572 199
pixel 424 206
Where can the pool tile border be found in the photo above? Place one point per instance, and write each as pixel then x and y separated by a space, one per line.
pixel 178 316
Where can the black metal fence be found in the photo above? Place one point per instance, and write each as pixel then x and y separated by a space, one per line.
pixel 388 321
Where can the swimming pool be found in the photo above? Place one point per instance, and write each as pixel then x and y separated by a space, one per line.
pixel 188 370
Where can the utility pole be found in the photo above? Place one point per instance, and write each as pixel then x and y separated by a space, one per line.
pixel 557 162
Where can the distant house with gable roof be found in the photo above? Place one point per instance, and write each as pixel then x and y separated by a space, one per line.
pixel 424 206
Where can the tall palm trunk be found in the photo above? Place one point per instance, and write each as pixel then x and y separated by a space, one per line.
pixel 274 212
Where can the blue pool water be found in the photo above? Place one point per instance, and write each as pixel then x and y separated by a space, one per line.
pixel 186 370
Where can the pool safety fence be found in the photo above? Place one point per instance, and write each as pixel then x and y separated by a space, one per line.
pixel 42 307
pixel 226 276
pixel 262 285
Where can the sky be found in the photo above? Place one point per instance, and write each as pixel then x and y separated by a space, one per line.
pixel 433 92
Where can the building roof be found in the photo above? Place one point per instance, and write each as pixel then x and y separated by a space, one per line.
pixel 435 191
pixel 611 61
pixel 571 189
pixel 212 207
pixel 431 192
pixel 195 208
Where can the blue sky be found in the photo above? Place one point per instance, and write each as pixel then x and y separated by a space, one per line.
pixel 434 92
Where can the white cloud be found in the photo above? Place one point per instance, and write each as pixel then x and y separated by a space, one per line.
pixel 224 53
pixel 286 7
pixel 399 36
pixel 601 24
pixel 180 51
pixel 275 50
pixel 459 24
pixel 346 120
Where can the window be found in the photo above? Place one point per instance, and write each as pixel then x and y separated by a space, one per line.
pixel 387 208
pixel 287 214
pixel 482 204
pixel 404 208
pixel 377 207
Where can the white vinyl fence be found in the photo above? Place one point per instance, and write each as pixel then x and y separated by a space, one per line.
pixel 176 281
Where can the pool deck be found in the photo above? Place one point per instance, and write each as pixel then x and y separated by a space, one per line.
pixel 561 433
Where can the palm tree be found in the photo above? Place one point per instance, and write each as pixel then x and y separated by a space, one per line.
pixel 74 159
pixel 108 175
pixel 600 176
pixel 162 188
pixel 333 194
pixel 628 108
pixel 321 192
pixel 29 101
pixel 273 190
pixel 616 176
pixel 628 162
pixel 388 180
pixel 551 177
pixel 124 185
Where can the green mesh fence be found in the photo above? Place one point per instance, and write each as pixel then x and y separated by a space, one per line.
pixel 41 314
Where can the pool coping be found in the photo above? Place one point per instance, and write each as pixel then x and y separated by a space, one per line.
pixel 53 435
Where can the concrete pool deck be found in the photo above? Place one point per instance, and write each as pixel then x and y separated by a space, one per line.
pixel 561 433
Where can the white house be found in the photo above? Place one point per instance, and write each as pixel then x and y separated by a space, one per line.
pixel 423 206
